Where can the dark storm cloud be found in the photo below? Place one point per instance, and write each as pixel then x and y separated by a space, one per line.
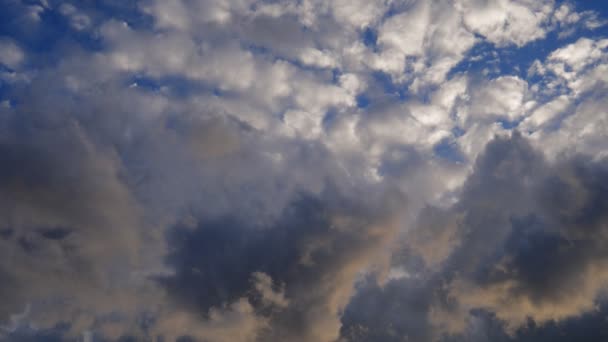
pixel 591 326
pixel 533 235
pixel 396 312
pixel 312 253
pixel 527 243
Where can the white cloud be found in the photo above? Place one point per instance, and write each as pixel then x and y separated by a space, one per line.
pixel 565 15
pixel 303 124
pixel 359 13
pixel 318 58
pixel 422 43
pixel 502 97
pixel 578 55
pixel 545 113
pixel 583 130
pixel 11 55
pixel 505 22
pixel 405 32
pixel 188 15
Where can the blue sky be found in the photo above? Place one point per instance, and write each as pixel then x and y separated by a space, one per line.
pixel 307 171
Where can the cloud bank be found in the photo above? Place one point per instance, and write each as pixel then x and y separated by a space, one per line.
pixel 244 170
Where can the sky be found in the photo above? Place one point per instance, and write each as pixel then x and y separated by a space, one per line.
pixel 303 171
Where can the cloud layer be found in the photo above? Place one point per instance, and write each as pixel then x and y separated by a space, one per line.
pixel 245 170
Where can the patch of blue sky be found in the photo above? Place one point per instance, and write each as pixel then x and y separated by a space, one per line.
pixel 145 83
pixel 53 29
pixel 363 101
pixel 390 87
pixel 329 119
pixel 370 38
pixel 490 61
pixel 257 49
pixel 43 36
pixel 599 6
pixel 486 60
pixel 447 149
pixel 458 131
pixel 509 124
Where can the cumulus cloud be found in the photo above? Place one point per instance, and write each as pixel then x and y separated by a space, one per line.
pixel 501 97
pixel 508 22
pixel 524 243
pixel 388 170
pixel 515 261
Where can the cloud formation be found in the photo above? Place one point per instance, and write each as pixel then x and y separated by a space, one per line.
pixel 248 170
pixel 525 242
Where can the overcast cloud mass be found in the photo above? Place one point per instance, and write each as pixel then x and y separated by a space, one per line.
pixel 303 171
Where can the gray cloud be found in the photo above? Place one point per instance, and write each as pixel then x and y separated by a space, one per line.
pixel 229 171
pixel 313 253
pixel 70 225
pixel 534 230
pixel 524 243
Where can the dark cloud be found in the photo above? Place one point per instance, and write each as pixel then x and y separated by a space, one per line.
pixel 591 326
pixel 313 253
pixel 79 189
pixel 235 171
pixel 526 244
pixel 398 311
pixel 533 235
pixel 70 223
pixel 26 334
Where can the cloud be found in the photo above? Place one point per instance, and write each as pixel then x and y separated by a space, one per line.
pixel 507 22
pixel 503 96
pixel 79 21
pixel 11 55
pixel 307 171
pixel 523 242
pixel 518 257
pixel 396 312
pixel 303 267
pixel 70 225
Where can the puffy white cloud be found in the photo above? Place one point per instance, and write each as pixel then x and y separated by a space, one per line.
pixel 426 37
pixel 502 97
pixel 568 19
pixel 578 55
pixel 580 65
pixel 543 115
pixel 175 54
pixel 405 32
pixel 504 22
pixel 359 13
pixel 582 129
pixel 315 57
